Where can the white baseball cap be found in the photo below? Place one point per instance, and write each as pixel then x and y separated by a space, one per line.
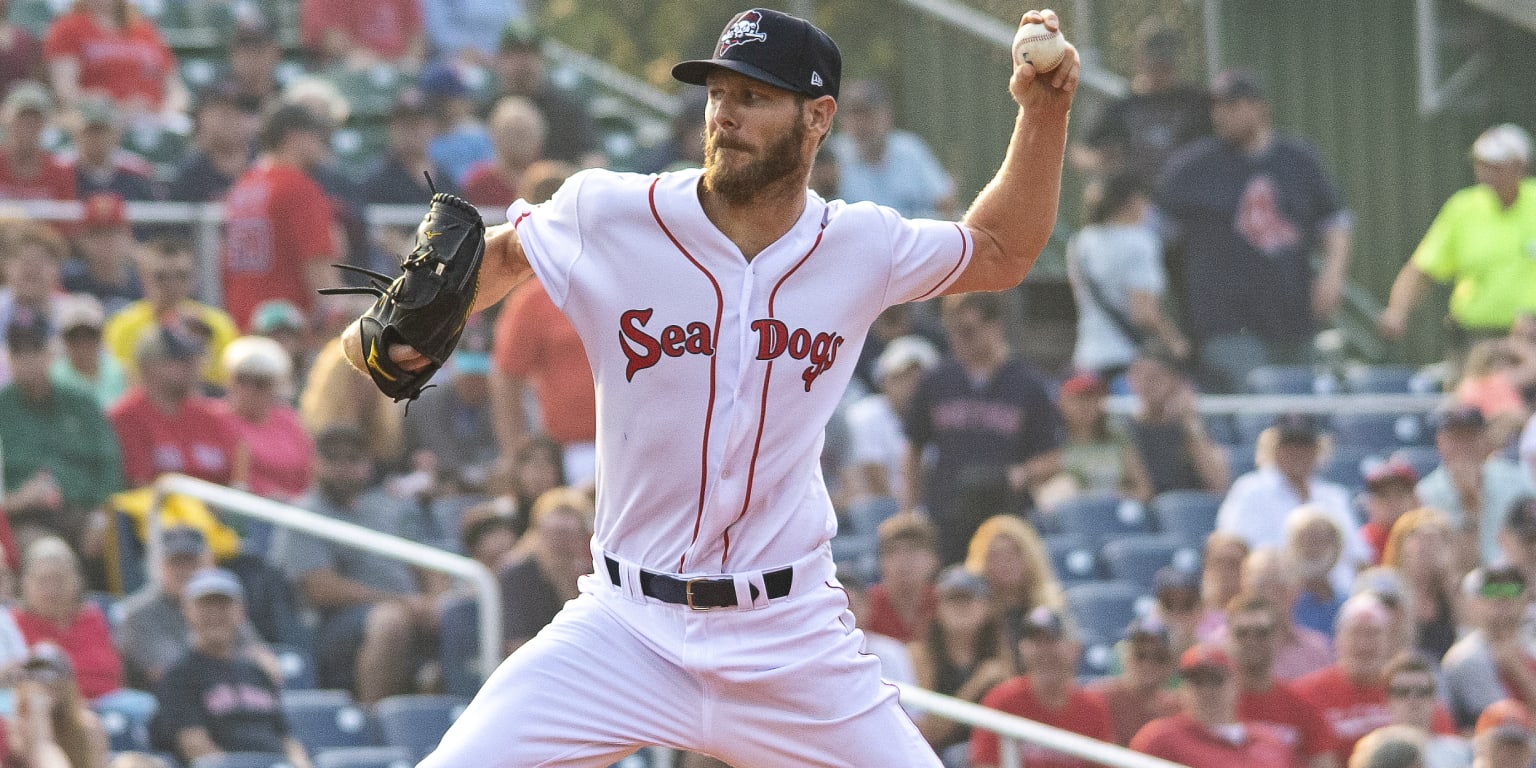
pixel 903 353
pixel 257 356
pixel 1505 143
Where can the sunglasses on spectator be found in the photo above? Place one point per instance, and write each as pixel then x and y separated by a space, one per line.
pixel 1411 691
pixel 169 275
pixel 1204 677
pixel 1253 632
pixel 255 382
pixel 1502 590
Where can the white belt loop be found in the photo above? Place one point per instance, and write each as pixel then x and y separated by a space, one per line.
pixel 629 575
pixel 747 584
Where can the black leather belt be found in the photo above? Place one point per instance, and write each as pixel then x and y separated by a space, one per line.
pixel 704 592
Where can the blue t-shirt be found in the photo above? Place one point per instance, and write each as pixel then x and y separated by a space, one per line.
pixel 1313 611
pixel 908 177
pixel 1249 226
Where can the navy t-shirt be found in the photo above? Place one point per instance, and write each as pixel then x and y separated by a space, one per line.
pixel 233 698
pixel 1249 226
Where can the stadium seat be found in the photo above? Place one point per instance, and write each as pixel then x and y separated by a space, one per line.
pixel 1073 561
pixel 1097 657
pixel 1098 517
pixel 1423 458
pixel 1103 608
pixel 1381 431
pixel 1249 424
pixel 1347 465
pixel 243 760
pixel 297 665
pixel 858 553
pixel 1389 380
pixel 325 719
pixel 1190 515
pixel 1240 459
pixel 1219 427
pixel 126 720
pixel 1291 380
pixel 364 757
pixel 417 721
pixel 1136 559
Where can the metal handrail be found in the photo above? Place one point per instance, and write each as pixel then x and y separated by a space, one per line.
pixel 1013 729
pixel 229 500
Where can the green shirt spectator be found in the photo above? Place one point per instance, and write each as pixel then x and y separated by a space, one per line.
pixel 64 433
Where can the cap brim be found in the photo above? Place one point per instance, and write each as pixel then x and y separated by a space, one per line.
pixel 696 72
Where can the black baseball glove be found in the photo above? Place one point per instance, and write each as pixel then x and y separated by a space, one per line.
pixel 427 305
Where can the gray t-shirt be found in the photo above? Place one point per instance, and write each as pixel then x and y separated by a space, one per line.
pixel 298 554
pixel 153 634
pixel 1119 259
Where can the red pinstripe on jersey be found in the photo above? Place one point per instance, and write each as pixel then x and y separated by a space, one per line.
pixel 762 414
pixel 709 409
pixel 964 246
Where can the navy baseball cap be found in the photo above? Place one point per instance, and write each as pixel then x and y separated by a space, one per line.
pixel 781 50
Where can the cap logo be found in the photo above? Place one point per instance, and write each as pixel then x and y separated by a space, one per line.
pixel 816 79
pixel 743 30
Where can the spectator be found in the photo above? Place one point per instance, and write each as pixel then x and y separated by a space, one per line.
pixel 280 239
pixel 105 268
pixel 454 424
pixel 879 163
pixel 1473 486
pixel 1141 693
pixel 902 604
pixel 85 363
pixel 1251 206
pixel 1115 266
pixel 359 36
pixel 101 164
pixel 1386 585
pixel 1517 541
pixel 1412 701
pixel 374 613
pixel 108 45
pixel 987 417
pixel 1492 661
pixel 1139 132
pixel 1390 746
pixel 1422 549
pixel 957 655
pixel 1389 494
pixel 224 128
pixel 334 395
pixel 519 69
pixel 278 452
pixel 1176 592
pixel 895 659
pixel 1047 693
pixel 31 256
pixel 1496 375
pixel 163 425
pixel 1097 457
pixel 1260 502
pixel 52 727
pixel 517 133
pixel 1473 243
pixel 466 33
pixel 399 178
pixel 1351 695
pixel 1300 651
pixel 152 634
pixel 53 610
pixel 1167 431
pixel 684 146
pixel 459 142
pixel 215 699
pixel 1252 639
pixel 61 459
pixel 21 53
pixel 28 171
pixel 878 453
pixel 535 346
pixel 1221 579
pixel 1208 733
pixel 1313 544
pixel 1503 736
pixel 534 588
pixel 254 53
pixel 167 268
pixel 487 534
pixel 1008 554
pixel 285 324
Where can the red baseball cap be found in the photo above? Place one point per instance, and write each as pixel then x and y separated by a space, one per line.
pixel 1508 719
pixel 1389 472
pixel 1083 384
pixel 104 209
pixel 1201 656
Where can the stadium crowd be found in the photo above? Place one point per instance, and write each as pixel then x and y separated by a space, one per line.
pixel 1279 588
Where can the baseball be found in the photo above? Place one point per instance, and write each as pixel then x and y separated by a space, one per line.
pixel 1039 46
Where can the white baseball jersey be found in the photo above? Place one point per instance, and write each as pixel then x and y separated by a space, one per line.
pixel 716 375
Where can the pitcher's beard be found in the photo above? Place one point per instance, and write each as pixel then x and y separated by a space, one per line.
pixel 780 163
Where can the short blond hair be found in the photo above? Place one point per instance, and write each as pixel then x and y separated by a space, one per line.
pixel 562 499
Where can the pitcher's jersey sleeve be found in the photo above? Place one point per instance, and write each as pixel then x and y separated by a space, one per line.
pixel 926 255
pixel 550 234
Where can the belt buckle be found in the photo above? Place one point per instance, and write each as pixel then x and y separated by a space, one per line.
pixel 688 593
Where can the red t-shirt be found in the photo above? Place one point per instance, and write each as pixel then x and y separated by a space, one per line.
pixel 1376 537
pixel 129 64
pixel 1129 710
pixel 884 618
pixel 197 440
pixel 280 452
pixel 486 187
pixel 279 220
pixel 1298 724
pixel 385 27
pixel 1351 711
pixel 88 642
pixel 535 341
pixel 1084 713
pixel 1180 739
pixel 54 181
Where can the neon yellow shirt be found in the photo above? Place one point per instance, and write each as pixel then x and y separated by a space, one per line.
pixel 124 329
pixel 1490 253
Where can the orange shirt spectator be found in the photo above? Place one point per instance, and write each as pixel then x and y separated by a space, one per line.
pixel 105 45
pixel 536 343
